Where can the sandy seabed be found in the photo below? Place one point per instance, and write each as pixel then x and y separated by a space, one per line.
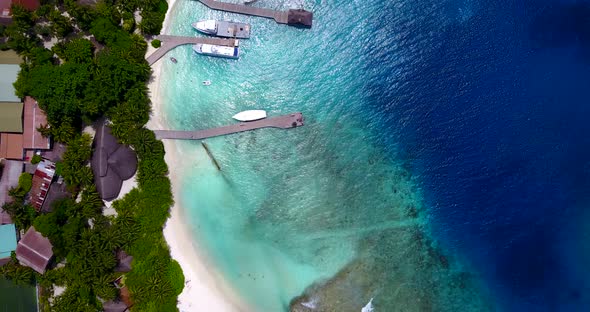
pixel 205 289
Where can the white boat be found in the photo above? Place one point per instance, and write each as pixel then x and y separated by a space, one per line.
pixel 250 115
pixel 223 28
pixel 207 82
pixel 207 26
pixel 368 307
pixel 217 50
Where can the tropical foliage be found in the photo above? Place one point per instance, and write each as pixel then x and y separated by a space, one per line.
pixel 36 159
pixel 25 182
pixel 97 69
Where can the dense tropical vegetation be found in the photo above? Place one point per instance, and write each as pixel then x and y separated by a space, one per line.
pixel 95 69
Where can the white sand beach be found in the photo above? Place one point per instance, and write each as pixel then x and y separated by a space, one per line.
pixel 205 289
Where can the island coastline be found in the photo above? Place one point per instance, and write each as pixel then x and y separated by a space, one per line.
pixel 204 288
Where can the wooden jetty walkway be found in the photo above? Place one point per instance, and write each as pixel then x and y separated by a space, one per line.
pixel 291 17
pixel 284 122
pixel 171 42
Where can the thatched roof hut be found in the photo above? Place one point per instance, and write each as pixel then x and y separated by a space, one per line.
pixel 112 163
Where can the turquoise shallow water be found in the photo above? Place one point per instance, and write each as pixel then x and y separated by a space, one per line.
pixel 324 210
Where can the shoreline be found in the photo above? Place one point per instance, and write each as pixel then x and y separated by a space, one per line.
pixel 204 289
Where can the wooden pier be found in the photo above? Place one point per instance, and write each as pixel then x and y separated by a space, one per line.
pixel 300 18
pixel 283 122
pixel 171 42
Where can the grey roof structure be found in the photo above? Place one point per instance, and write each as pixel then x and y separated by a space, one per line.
pixel 112 163
pixel 34 250
pixel 8 77
pixel 114 306
pixel 123 262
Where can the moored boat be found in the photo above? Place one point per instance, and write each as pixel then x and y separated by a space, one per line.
pixel 250 115
pixel 217 50
pixel 223 28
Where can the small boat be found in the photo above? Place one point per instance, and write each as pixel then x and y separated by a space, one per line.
pixel 217 50
pixel 173 60
pixel 250 115
pixel 207 82
pixel 368 307
pixel 223 28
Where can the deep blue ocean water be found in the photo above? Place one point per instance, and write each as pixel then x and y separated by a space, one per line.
pixel 445 159
pixel 493 115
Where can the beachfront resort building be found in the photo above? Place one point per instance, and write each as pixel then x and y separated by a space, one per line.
pixel 112 163
pixel 19 119
pixel 34 250
pixel 7 242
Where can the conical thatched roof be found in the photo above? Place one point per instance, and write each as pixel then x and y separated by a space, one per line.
pixel 111 163
pixel 121 160
pixel 108 186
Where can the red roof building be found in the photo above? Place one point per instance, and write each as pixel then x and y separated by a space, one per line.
pixel 6 14
pixel 41 183
pixel 11 146
pixel 34 250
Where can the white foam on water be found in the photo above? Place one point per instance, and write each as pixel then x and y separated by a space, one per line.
pixel 368 307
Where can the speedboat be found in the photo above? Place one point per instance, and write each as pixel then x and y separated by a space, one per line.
pixel 368 307
pixel 250 115
pixel 223 28
pixel 207 82
pixel 217 50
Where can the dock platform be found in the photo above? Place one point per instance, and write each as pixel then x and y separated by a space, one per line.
pixel 301 18
pixel 171 42
pixel 283 122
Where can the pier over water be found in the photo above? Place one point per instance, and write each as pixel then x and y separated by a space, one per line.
pixel 301 18
pixel 171 42
pixel 283 122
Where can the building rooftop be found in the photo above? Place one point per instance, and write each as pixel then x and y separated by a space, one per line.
pixel 11 145
pixel 112 163
pixel 28 4
pixel 7 240
pixel 34 250
pixel 114 306
pixel 34 117
pixel 4 217
pixel 56 192
pixel 8 77
pixel 11 116
pixel 41 183
pixel 9 56
pixel 5 8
